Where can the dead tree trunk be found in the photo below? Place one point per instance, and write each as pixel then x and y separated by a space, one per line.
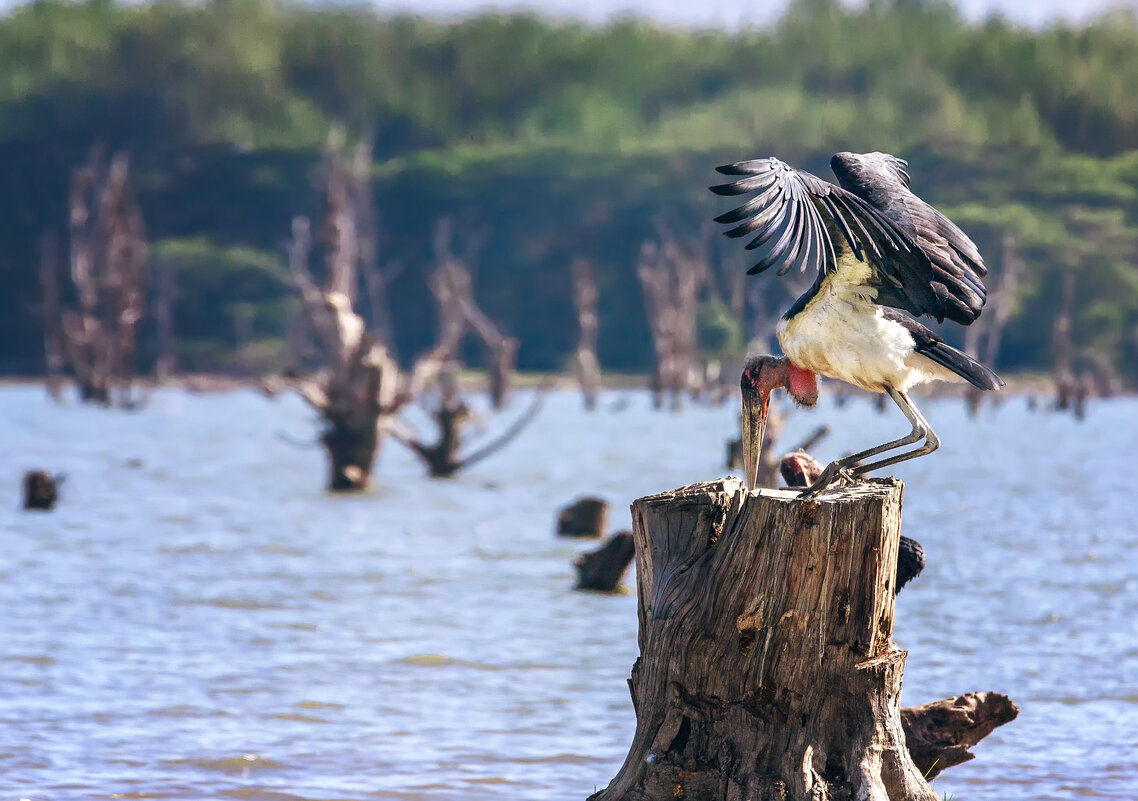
pixel 1061 341
pixel 585 360
pixel 767 667
pixel 55 359
pixel 108 270
pixel 164 322
pixel 984 343
pixel 671 280
pixel 356 395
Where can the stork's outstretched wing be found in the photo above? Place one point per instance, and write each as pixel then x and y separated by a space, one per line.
pixel 803 221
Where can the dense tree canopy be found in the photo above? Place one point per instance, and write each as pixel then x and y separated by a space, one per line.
pixel 546 140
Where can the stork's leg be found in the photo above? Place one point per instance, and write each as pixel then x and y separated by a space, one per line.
pixel 847 465
pixel 932 442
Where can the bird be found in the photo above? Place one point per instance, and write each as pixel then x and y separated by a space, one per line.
pixel 883 258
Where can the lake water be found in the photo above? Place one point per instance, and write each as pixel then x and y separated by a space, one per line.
pixel 198 620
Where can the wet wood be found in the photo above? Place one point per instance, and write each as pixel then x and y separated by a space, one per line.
pixel 767 667
pixel 585 517
pixel 939 734
pixel 603 569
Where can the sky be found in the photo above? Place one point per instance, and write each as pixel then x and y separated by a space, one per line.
pixel 735 13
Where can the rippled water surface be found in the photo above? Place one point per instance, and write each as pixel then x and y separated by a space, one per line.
pixel 197 619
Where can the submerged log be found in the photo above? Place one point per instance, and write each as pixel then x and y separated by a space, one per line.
pixel 602 570
pixel 585 517
pixel 41 490
pixel 767 667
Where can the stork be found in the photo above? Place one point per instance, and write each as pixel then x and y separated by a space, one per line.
pixel 883 258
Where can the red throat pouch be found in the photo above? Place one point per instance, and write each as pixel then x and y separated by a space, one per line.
pixel 803 384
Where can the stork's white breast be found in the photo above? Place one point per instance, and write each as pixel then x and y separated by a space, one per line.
pixel 842 333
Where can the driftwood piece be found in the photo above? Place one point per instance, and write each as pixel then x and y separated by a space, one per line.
pixel 602 570
pixel 940 733
pixel 41 490
pixel 767 667
pixel 585 517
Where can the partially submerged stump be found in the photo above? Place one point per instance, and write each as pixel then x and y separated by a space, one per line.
pixel 767 667
pixel 585 517
pixel 602 570
pixel 41 490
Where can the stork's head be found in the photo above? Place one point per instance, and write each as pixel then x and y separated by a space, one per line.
pixel 853 169
pixel 761 376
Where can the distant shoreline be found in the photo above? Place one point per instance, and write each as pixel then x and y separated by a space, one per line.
pixel 474 381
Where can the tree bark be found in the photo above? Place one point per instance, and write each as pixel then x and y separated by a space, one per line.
pixel 767 668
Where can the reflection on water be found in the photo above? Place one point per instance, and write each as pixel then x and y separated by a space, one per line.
pixel 198 620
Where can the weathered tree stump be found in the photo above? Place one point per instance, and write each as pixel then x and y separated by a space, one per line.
pixel 41 490
pixel 602 570
pixel 767 668
pixel 585 517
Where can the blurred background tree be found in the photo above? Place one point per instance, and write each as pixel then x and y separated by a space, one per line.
pixel 557 141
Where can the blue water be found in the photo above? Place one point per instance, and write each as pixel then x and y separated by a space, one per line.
pixel 198 620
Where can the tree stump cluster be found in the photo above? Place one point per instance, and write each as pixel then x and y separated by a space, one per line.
pixel 767 668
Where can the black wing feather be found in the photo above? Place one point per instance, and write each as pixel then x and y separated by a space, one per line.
pixel 922 263
pixel 793 215
pixel 944 276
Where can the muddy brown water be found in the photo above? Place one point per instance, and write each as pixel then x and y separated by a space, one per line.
pixel 198 620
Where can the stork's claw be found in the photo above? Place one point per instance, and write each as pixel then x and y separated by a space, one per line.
pixel 835 473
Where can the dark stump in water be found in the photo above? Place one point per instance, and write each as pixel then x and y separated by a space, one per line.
pixel 584 517
pixel 41 490
pixel 602 570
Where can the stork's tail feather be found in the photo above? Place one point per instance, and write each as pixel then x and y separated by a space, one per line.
pixel 960 363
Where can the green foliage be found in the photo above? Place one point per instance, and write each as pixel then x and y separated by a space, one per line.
pixel 549 140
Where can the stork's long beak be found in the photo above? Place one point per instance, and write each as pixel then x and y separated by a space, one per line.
pixel 754 424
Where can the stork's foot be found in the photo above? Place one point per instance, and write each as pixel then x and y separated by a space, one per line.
pixel 835 473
